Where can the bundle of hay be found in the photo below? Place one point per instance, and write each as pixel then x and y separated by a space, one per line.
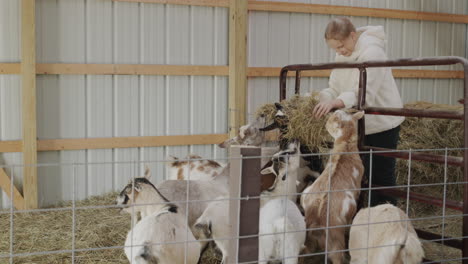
pixel 430 133
pixel 416 133
pixel 302 125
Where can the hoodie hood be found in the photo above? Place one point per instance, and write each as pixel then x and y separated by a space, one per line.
pixel 369 36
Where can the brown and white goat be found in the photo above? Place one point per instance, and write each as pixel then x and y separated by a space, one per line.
pixel 383 234
pixel 344 173
pixel 193 167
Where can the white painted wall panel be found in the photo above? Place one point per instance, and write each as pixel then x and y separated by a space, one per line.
pixel 10 128
pixel 10 36
pixel 99 31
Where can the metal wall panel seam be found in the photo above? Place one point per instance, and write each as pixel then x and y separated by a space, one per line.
pixel 141 111
pixel 191 81
pixel 214 79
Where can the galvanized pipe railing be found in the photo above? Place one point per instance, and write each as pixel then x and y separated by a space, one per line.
pixel 457 161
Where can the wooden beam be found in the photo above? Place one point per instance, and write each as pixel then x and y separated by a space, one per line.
pixel 397 73
pixel 427 74
pixel 10 68
pixel 116 142
pixel 28 73
pixel 5 185
pixel 355 11
pixel 132 69
pixel 284 6
pixel 129 142
pixel 215 3
pixel 11 146
pixel 237 64
pixel 275 72
pixel 200 70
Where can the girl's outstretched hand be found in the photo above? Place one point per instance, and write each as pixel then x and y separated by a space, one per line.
pixel 322 109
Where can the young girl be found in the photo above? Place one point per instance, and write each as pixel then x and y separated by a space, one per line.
pixel 364 44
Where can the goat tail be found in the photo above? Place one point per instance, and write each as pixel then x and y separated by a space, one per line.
pixel 411 251
pixel 275 262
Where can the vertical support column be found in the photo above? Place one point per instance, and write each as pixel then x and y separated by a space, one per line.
pixel 28 76
pixel 235 175
pixel 249 209
pixel 245 181
pixel 361 104
pixel 237 64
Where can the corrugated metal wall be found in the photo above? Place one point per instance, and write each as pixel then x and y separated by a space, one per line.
pixel 101 31
pixel 278 39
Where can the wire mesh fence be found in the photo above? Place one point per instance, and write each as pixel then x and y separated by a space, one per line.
pixel 240 228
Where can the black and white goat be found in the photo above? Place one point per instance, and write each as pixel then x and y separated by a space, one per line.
pixel 163 236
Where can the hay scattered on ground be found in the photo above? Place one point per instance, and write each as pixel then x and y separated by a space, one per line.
pixel 52 231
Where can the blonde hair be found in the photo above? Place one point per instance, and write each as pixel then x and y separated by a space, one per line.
pixel 339 28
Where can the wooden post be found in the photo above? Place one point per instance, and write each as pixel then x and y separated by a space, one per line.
pixel 237 64
pixel 28 74
pixel 245 181
pixel 234 205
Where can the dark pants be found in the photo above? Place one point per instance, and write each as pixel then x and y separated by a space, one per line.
pixel 383 168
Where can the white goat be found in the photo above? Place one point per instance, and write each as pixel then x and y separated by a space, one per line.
pixel 277 217
pixel 160 239
pixel 214 224
pixel 392 241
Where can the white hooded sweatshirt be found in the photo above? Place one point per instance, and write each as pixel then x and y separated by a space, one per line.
pixel 381 90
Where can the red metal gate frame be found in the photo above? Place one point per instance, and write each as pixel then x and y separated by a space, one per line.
pixel 455 161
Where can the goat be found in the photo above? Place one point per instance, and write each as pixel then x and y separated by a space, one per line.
pixel 283 163
pixel 249 135
pixel 311 166
pixel 279 216
pixel 193 168
pixel 214 224
pixel 159 239
pixel 392 241
pixel 343 172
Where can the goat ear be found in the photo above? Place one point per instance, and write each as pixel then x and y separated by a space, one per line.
pixel 242 131
pixel 147 172
pixel 358 115
pixel 278 106
pixel 267 170
pixel 137 188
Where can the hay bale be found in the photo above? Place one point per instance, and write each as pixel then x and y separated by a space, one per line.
pixel 431 133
